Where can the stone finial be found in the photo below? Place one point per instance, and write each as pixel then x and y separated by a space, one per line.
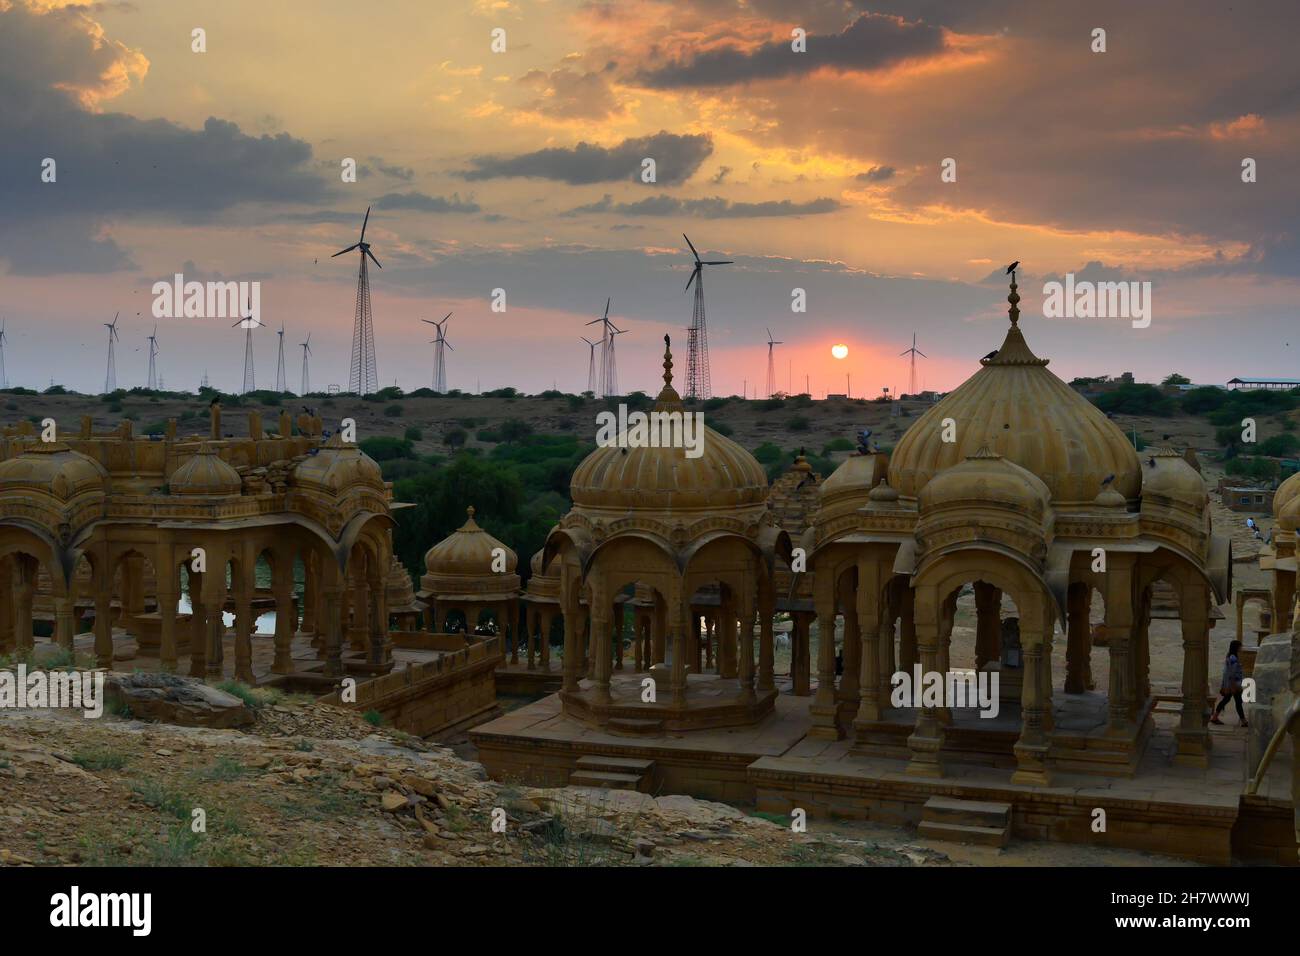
pixel 1014 299
pixel 171 429
pixel 469 512
pixel 87 427
pixel 255 426
pixel 286 424
pixel 214 413
pixel 668 363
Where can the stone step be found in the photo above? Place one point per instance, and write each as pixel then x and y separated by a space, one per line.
pixel 632 765
pixel 629 725
pixel 976 813
pixel 605 779
pixel 963 833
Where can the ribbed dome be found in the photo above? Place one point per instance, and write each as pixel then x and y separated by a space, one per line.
pixel 1286 492
pixel 617 478
pixel 337 466
pixel 467 551
pixel 52 468
pixel 1025 413
pixel 204 473
pixel 1166 473
pixel 987 478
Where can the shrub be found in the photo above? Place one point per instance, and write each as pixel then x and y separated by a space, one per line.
pixel 393 411
pixel 386 448
pixel 455 438
pixel 838 444
pixel 413 434
pixel 1280 446
pixel 799 423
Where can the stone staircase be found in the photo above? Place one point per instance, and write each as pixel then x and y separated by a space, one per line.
pixel 613 773
pixel 966 821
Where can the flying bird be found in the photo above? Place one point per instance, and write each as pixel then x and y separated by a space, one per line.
pixel 1107 480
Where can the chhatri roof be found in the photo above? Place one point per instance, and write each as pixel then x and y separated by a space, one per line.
pixel 644 479
pixel 204 473
pixel 52 468
pixel 1026 414
pixel 461 565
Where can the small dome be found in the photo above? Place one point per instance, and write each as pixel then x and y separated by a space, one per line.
pixel 467 551
pixel 856 476
pixel 663 479
pixel 337 466
pixel 1110 498
pixel 883 493
pixel 1166 474
pixel 1286 492
pixel 986 478
pixel 52 468
pixel 204 473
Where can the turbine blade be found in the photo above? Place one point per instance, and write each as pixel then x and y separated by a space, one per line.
pixel 694 273
pixel 348 249
pixel 922 354
pixel 363 224
pixel 721 262
pixel 692 245
pixel 594 321
pixel 372 258
pixel 429 321
pixel 448 344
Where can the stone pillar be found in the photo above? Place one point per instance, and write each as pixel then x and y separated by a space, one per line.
pixel 214 603
pixel 332 600
pixel 600 650
pixel 988 629
pixel 746 636
pixel 285 613
pixel 1032 748
pixel 1192 734
pixel 65 624
pixel 867 617
pixel 1119 634
pixel 198 626
pixel 310 595
pixel 24 593
pixel 548 621
pixel 907 654
pixel 766 646
pixel 620 621
pixel 1142 655
pixel 658 628
pixel 377 620
pixel 848 692
pixel 167 599
pixel 823 707
pixel 800 655
pixel 244 625
pixel 926 740
pixel 727 638
pixel 679 612
pixel 103 628
pixel 1078 640
pixel 572 649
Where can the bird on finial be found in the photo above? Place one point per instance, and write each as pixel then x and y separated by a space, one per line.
pixel 1011 269
pixel 1107 480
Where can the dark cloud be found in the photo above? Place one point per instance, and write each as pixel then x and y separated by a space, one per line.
pixel 404 173
pixel 714 207
pixel 871 42
pixel 570 94
pixel 877 174
pixel 55 68
pixel 676 157
pixel 423 203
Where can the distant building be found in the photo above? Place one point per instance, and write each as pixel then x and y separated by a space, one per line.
pixel 1253 500
pixel 1250 382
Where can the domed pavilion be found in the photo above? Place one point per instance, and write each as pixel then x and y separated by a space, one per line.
pixel 666 527
pixel 470 573
pixel 1016 487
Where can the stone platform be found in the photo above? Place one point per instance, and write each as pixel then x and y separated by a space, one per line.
pixel 1191 812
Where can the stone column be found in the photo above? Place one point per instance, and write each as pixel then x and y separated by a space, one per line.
pixel 244 624
pixel 823 706
pixel 766 646
pixel 377 620
pixel 867 616
pixel 678 625
pixel 848 692
pixel 1119 634
pixel 1032 748
pixel 926 740
pixel 800 655
pixel 198 626
pixel 1192 734
pixel 310 595
pixel 548 621
pixel 572 649
pixel 103 628
pixel 65 624
pixel 285 613
pixel 988 624
pixel 746 636
pixel 1077 642
pixel 710 636
pixel 214 583
pixel 167 600
pixel 620 621
pixel 727 643
pixel 24 593
pixel 332 601
pixel 600 671
pixel 1142 655
pixel 658 628
pixel 907 654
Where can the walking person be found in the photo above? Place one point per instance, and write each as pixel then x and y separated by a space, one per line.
pixel 1231 686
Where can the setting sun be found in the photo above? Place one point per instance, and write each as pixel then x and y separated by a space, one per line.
pixel 839 351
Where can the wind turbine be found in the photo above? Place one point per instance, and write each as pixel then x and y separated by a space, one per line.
pixel 363 378
pixel 153 360
pixel 771 368
pixel 608 368
pixel 914 352
pixel 110 378
pixel 306 351
pixel 697 362
pixel 249 323
pixel 281 379
pixel 591 364
pixel 439 356
pixel 4 381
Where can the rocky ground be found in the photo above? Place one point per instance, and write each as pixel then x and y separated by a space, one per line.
pixel 313 785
